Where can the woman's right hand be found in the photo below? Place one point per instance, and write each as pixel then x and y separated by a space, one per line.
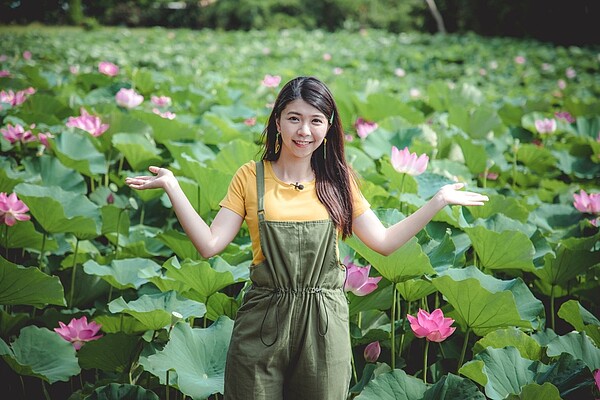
pixel 161 179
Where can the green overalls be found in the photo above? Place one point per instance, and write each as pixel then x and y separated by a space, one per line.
pixel 290 338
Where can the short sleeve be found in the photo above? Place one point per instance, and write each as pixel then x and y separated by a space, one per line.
pixel 359 203
pixel 235 199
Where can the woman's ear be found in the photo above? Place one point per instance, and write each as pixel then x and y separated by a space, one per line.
pixel 277 124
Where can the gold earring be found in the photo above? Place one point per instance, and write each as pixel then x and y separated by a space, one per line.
pixel 277 145
pixel 325 149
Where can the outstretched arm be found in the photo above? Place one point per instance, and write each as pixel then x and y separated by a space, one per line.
pixel 209 240
pixel 369 229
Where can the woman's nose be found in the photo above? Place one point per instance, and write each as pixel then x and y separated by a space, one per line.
pixel 304 130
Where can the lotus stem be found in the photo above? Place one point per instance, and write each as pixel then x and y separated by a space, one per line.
pixel 118 234
pixel 425 361
pixel 41 259
pixel 464 349
pixel 46 394
pixel 393 327
pixel 402 191
pixel 6 241
pixel 73 272
pixel 354 374
pixel 168 395
pixel 552 307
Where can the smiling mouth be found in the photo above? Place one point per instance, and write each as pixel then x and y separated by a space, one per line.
pixel 302 142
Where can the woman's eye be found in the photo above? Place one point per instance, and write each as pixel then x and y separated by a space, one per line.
pixel 317 121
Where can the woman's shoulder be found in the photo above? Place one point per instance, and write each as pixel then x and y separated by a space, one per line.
pixel 248 169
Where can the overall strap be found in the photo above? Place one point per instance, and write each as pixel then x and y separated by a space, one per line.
pixel 260 189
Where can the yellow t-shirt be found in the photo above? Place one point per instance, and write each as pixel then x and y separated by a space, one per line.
pixel 282 202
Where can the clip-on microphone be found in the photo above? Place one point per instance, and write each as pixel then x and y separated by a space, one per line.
pixel 297 186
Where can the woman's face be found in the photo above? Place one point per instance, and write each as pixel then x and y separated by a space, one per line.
pixel 303 128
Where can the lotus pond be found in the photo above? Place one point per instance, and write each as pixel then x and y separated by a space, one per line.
pixel 104 297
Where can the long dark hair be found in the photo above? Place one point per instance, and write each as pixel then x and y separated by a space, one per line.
pixel 332 173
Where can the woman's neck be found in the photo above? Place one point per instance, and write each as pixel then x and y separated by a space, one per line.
pixel 298 170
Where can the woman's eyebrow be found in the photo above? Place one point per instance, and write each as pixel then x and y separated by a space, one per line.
pixel 299 113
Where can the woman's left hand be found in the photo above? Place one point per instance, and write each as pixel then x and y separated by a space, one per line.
pixel 452 195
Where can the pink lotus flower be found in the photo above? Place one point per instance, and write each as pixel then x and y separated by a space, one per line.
pixel 4 73
pixel 43 138
pixel 79 331
pixel 15 98
pixel 17 134
pixel 108 68
pixel 74 69
pixel 570 73
pixel 364 127
pixel 520 60
pixel 546 125
pixel 271 81
pixel 250 121
pixel 409 163
pixel 432 326
pixel 597 378
pixel 414 93
pixel 561 84
pixel 358 281
pixel 338 71
pixel 161 101
pixel 587 203
pixel 27 55
pixel 12 209
pixel 372 352
pixel 128 98
pixel 89 123
pixel 327 57
pixel 166 114
pixel 596 223
pixel 3 57
pixel 400 73
pixel 564 115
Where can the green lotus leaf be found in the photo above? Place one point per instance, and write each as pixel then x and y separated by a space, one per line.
pixel 180 244
pixel 139 151
pixel 53 173
pixel 11 323
pixel 120 323
pixel 380 299
pixel 443 255
pixel 533 391
pixel 502 250
pixel 580 167
pixel 573 257
pixel 28 286
pixel 143 80
pixel 212 183
pixel 378 143
pixel 201 279
pixel 154 310
pixel 359 161
pixel 112 352
pixel 76 150
pixel 43 353
pixel 59 211
pixel 381 105
pixel 505 370
pixel 233 155
pixel 196 355
pixel 476 122
pixel 452 387
pixel 579 346
pixel 415 289
pixel 528 347
pixel 164 130
pixel 114 220
pixel 499 204
pixel 188 152
pixel 568 374
pixel 483 303
pixel 474 153
pixel 393 385
pixel 537 159
pixel 125 273
pixel 141 242
pixel 24 236
pixel 220 304
pixel 122 391
pixel 218 130
pixel 581 319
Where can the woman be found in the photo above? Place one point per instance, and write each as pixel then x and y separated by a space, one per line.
pixel 290 338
